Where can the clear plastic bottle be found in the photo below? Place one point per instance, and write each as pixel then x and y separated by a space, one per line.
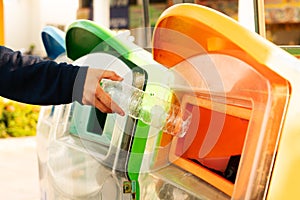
pixel 149 109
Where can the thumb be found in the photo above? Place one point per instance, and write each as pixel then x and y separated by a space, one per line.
pixel 112 76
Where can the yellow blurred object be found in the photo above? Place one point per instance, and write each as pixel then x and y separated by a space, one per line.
pixel 83 13
pixel 1 23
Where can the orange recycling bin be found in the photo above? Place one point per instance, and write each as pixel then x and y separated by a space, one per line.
pixel 242 91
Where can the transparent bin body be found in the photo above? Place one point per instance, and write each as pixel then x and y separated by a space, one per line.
pixel 84 145
pixel 232 82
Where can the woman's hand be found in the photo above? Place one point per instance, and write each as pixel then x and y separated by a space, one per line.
pixel 93 93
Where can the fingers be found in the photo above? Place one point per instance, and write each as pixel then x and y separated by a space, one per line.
pixel 106 104
pixel 98 104
pixel 103 108
pixel 111 75
pixel 93 93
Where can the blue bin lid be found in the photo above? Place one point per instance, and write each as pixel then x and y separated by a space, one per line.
pixel 54 41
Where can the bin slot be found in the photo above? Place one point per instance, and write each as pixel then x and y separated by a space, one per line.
pixel 214 142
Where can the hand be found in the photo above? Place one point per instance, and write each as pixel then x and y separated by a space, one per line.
pixel 93 93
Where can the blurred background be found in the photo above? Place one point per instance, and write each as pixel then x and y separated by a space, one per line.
pixel 22 20
pixel 21 23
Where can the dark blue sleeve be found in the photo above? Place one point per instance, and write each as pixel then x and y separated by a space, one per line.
pixel 30 79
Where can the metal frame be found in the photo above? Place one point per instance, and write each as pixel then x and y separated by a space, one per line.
pixel 251 15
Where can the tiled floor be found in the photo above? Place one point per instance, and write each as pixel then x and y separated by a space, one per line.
pixel 18 169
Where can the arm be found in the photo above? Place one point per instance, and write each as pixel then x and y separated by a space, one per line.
pixel 29 79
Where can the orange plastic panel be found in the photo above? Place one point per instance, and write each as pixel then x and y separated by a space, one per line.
pixel 245 79
pixel 228 143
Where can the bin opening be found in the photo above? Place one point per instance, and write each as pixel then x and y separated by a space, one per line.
pixel 96 122
pixel 232 121
pixel 211 146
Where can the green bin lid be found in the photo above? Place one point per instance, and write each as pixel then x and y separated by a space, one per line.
pixel 85 36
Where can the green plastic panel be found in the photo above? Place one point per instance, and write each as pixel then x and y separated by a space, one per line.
pixel 84 37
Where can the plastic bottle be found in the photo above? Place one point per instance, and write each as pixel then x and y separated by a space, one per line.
pixel 149 109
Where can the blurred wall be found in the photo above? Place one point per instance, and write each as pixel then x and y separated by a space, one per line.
pixel 16 20
pixel 24 20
